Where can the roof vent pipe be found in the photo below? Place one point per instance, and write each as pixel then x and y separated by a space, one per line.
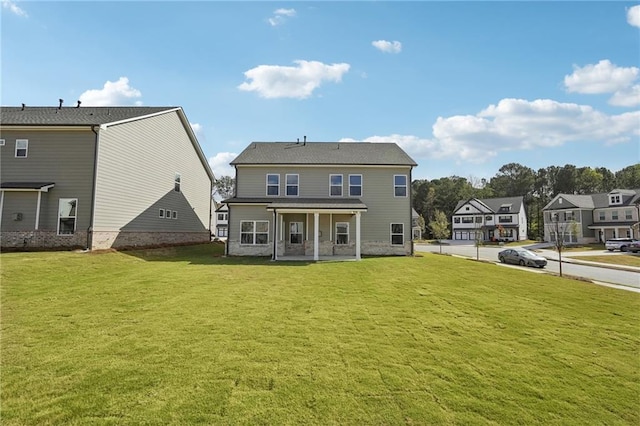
pixel 61 101
pixel 23 105
pixel 305 141
pixel 78 106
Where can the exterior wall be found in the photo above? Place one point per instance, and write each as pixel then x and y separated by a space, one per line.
pixel 64 157
pixel 582 220
pixel 116 239
pixel 135 179
pixel 377 192
pixel 237 214
pixel 26 240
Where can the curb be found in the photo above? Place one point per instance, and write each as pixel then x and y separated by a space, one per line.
pixel 596 264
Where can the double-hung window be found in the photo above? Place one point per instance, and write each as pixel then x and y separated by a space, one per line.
pixel 397 233
pixel 292 185
pixel 273 185
pixel 400 185
pixel 295 232
pixel 254 232
pixel 614 215
pixel 342 233
pixel 67 214
pixel 628 215
pixel 355 185
pixel 335 185
pixel 601 216
pixel 176 182
pixel 22 146
pixel 161 213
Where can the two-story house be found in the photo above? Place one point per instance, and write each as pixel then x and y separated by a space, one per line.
pixel 321 199
pixel 490 219
pixel 101 177
pixel 593 218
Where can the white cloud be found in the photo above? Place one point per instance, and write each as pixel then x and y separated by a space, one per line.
pixel 275 81
pixel 605 77
pixel 14 8
pixel 220 164
pixel 112 94
pixel 280 16
pixel 387 46
pixel 198 130
pixel 516 124
pixel 633 16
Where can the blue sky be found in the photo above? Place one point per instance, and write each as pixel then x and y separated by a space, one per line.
pixel 463 87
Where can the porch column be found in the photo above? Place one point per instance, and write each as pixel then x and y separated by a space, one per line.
pixel 316 240
pixel 38 210
pixel 275 235
pixel 1 205
pixel 357 235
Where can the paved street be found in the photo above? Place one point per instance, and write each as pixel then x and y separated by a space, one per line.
pixel 600 273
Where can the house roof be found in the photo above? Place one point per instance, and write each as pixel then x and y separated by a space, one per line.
pixel 597 201
pixel 318 153
pixel 494 204
pixel 26 185
pixel 72 116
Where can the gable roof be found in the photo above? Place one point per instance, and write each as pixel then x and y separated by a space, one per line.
pixel 596 201
pixel 74 116
pixel 494 204
pixel 317 153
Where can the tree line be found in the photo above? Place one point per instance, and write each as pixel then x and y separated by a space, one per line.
pixel 514 180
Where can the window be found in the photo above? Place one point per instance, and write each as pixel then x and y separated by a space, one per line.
pixel 167 214
pixel 615 199
pixel 601 216
pixel 397 233
pixel 273 185
pixel 292 185
pixel 295 232
pixel 400 185
pixel 456 220
pixel 355 185
pixel 478 219
pixel 628 215
pixel 505 219
pixel 222 232
pixel 342 233
pixel 174 215
pixel 67 214
pixel 176 185
pixel 222 216
pixel 614 215
pixel 335 185
pixel 254 232
pixel 488 218
pixel 569 216
pixel 1 142
pixel 22 146
pixel 467 219
pixel 161 213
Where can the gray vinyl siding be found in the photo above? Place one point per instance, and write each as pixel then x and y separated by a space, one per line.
pixel 136 171
pixel 64 157
pixel 377 192
pixel 238 214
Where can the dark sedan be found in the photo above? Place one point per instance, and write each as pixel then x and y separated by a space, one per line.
pixel 522 257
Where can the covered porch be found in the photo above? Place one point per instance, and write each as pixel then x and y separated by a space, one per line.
pixel 317 229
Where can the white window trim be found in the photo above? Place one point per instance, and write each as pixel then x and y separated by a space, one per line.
pixel 341 184
pixel 301 233
pixel 336 233
pixel 391 234
pixel 254 233
pixel 405 186
pixel 1 142
pixel 161 213
pixel 177 182
pixel 286 185
pixel 174 214
pixel 361 185
pixel 75 222
pixel 26 148
pixel 167 214
pixel 267 185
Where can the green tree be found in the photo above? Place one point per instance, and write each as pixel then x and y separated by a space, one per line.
pixel 629 177
pixel 224 187
pixel 439 227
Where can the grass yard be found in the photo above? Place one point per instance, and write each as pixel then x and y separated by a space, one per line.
pixel 180 336
pixel 626 259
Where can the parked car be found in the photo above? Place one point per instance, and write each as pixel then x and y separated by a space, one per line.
pixel 618 244
pixel 522 257
pixel 634 247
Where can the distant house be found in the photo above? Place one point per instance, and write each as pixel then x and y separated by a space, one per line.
pixel 101 177
pixel 593 218
pixel 490 219
pixel 321 199
pixel 221 216
pixel 416 229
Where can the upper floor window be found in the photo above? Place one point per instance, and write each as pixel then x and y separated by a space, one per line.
pixel 176 183
pixel 628 215
pixel 488 218
pixel 601 216
pixel 505 219
pixel 614 215
pixel 400 185
pixel 161 213
pixel 615 199
pixel 478 219
pixel 397 233
pixel 335 185
pixel 222 216
pixel 292 185
pixel 467 219
pixel 569 216
pixel 456 220
pixel 273 184
pixel 67 214
pixel 1 142
pixel 355 185
pixel 22 146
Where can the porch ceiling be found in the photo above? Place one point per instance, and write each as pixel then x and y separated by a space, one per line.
pixel 26 186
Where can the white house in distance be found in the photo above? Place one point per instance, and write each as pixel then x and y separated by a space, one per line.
pixel 494 219
pixel 221 217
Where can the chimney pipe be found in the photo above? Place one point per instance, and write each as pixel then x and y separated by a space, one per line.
pixel 23 105
pixel 61 101
pixel 78 106
pixel 305 139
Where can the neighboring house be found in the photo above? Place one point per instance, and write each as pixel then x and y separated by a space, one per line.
pixel 101 177
pixel 491 219
pixel 221 216
pixel 416 229
pixel 593 218
pixel 321 199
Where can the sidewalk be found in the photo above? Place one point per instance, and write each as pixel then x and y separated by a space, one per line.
pixel 568 258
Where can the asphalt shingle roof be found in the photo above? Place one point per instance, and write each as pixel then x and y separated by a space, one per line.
pixel 361 153
pixel 495 203
pixel 72 116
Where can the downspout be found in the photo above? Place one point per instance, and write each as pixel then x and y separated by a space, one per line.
pixel 93 195
pixel 410 185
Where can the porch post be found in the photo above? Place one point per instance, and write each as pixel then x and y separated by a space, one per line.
pixel 38 210
pixel 275 234
pixel 357 235
pixel 1 205
pixel 316 230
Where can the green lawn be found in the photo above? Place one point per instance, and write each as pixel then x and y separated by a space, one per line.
pixel 626 259
pixel 180 336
